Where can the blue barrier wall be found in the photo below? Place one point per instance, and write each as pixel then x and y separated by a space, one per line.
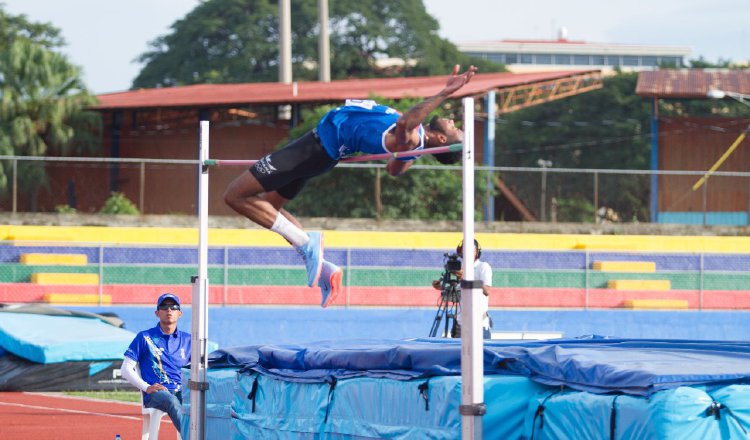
pixel 233 326
pixel 547 260
pixel 696 218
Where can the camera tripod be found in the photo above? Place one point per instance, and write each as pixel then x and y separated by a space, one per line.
pixel 448 309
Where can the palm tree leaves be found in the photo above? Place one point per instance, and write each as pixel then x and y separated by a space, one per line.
pixel 42 101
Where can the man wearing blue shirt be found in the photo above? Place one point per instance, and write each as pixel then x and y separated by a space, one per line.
pixel 160 352
pixel 360 126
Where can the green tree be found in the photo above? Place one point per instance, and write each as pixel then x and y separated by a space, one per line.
pixel 606 129
pixel 228 41
pixel 118 203
pixel 18 26
pixel 43 101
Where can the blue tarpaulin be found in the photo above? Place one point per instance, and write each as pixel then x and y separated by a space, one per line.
pixel 594 364
pixel 50 339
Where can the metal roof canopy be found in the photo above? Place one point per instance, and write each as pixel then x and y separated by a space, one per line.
pixel 516 90
pixel 691 83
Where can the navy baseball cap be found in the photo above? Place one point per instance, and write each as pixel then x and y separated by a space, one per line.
pixel 164 296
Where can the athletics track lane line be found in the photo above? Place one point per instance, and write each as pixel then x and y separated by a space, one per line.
pixel 36 416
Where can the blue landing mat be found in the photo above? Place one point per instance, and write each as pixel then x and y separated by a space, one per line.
pixel 591 387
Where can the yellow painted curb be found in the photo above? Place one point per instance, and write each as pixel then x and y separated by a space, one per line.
pixel 65 259
pixel 655 304
pixel 624 266
pixel 95 235
pixel 639 284
pixel 75 298
pixel 65 278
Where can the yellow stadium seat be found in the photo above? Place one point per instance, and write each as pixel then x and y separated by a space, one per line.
pixel 75 298
pixel 655 304
pixel 639 284
pixel 62 259
pixel 625 266
pixel 65 278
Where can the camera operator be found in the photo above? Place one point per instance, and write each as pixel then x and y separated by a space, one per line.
pixel 483 272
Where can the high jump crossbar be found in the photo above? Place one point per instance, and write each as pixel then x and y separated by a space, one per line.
pixel 364 158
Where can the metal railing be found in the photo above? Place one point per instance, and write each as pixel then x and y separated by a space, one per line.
pixel 157 186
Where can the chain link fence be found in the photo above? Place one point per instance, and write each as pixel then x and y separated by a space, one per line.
pixel 547 194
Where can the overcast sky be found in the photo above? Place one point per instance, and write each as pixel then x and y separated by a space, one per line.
pixel 105 36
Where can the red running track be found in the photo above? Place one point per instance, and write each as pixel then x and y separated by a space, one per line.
pixel 26 416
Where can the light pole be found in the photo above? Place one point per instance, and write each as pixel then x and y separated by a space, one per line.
pixel 721 94
pixel 544 164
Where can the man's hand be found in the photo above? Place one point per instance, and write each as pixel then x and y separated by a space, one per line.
pixel 154 388
pixel 406 135
pixel 457 81
pixel 460 275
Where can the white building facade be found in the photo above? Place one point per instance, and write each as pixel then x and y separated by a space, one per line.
pixel 544 55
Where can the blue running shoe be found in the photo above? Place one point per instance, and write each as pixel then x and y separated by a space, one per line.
pixel 330 282
pixel 312 253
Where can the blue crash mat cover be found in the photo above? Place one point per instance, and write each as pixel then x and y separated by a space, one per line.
pixel 50 339
pixel 594 364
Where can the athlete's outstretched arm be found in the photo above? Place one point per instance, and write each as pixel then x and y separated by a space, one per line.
pixel 395 167
pixel 406 126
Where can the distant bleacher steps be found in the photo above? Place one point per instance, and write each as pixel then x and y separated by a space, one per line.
pixel 67 278
pixel 55 259
pixel 82 279
pixel 631 267
pixel 655 304
pixel 625 266
pixel 639 284
pixel 76 298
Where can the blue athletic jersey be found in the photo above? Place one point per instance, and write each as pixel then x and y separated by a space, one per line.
pixel 160 357
pixel 359 126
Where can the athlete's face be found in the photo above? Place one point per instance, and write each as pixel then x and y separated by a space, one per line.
pixel 447 127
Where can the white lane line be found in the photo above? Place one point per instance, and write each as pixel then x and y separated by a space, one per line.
pixel 75 411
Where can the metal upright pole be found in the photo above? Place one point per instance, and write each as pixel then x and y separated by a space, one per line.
pixel 15 186
pixel 654 196
pixel 199 329
pixel 472 365
pixel 543 197
pixel 142 188
pixel 324 50
pixel 285 42
pixel 489 155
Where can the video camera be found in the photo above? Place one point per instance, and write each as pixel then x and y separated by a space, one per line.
pixel 452 263
pixel 449 281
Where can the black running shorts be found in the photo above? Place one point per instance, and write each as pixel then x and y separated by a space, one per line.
pixel 286 171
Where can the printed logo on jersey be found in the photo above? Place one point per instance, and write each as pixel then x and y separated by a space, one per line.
pixel 364 103
pixel 264 166
pixel 156 365
pixel 343 151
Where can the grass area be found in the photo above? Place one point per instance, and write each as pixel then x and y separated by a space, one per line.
pixel 123 396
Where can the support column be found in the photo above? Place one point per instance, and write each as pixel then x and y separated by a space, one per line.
pixel 114 152
pixel 654 160
pixel 489 155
